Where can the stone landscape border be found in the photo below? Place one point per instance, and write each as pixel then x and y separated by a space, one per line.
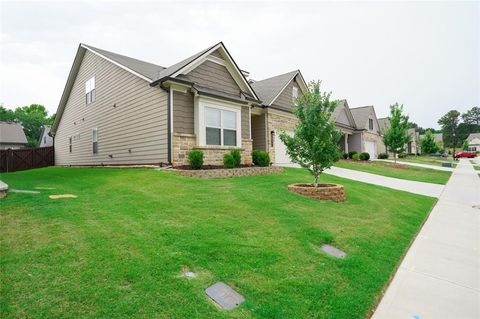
pixel 230 172
pixel 330 192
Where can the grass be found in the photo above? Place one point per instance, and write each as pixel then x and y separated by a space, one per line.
pixel 428 160
pixel 117 250
pixel 412 173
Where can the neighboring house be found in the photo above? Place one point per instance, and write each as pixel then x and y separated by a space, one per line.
pixel 12 136
pixel 345 122
pixel 45 139
pixel 368 130
pixel 116 110
pixel 412 147
pixel 473 142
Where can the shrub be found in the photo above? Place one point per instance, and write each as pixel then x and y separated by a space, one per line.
pixel 260 158
pixel 350 154
pixel 228 161
pixel 195 159
pixel 237 157
pixel 402 155
pixel 383 155
pixel 364 156
pixel 355 156
pixel 345 155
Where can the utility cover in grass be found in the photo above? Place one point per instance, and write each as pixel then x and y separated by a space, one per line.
pixel 224 296
pixel 62 196
pixel 333 251
pixel 23 191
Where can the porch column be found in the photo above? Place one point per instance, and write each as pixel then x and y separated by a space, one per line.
pixel 345 137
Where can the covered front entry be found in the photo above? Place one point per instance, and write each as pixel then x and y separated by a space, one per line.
pixel 343 143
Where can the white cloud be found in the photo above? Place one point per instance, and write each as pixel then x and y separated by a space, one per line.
pixel 423 54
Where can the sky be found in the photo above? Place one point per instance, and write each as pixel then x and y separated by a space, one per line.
pixel 424 55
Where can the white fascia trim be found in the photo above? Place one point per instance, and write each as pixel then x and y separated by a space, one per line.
pixel 117 64
pixel 281 91
pixel 216 60
pixel 237 76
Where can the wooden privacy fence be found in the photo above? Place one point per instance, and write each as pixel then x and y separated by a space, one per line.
pixel 26 158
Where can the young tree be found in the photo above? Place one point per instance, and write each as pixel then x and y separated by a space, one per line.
pixel 314 144
pixel 428 144
pixel 465 145
pixel 397 136
pixel 449 123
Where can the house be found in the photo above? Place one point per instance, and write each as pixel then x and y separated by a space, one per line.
pixel 368 130
pixel 45 139
pixel 345 122
pixel 12 136
pixel 117 110
pixel 473 141
pixel 412 147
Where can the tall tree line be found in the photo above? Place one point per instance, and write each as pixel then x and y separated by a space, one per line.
pixel 456 126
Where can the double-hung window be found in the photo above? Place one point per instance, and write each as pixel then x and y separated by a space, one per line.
pixel 370 124
pixel 294 93
pixel 90 91
pixel 95 140
pixel 221 127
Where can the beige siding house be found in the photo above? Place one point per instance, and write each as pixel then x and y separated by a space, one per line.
pixel 368 134
pixel 117 110
pixel 12 136
pixel 412 147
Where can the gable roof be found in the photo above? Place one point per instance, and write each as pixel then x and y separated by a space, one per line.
pixel 12 133
pixel 150 72
pixel 269 89
pixel 473 136
pixel 384 124
pixel 343 105
pixel 362 114
pixel 45 130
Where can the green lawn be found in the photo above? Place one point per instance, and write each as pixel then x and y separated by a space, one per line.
pixel 428 160
pixel 402 171
pixel 117 250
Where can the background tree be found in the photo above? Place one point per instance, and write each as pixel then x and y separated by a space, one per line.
pixel 472 116
pixel 428 144
pixel 31 117
pixel 314 144
pixel 465 145
pixel 449 123
pixel 397 136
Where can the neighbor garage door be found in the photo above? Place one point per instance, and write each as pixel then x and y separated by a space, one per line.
pixel 281 156
pixel 371 148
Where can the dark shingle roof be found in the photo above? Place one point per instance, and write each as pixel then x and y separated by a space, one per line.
pixel 147 69
pixel 268 89
pixel 12 132
pixel 361 115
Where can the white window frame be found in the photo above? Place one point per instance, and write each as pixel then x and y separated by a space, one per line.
pixel 294 93
pixel 222 106
pixel 89 89
pixel 94 140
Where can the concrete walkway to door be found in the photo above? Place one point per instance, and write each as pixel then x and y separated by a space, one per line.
pixel 440 274
pixel 428 189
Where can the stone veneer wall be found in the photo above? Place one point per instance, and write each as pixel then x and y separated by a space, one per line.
pixel 212 155
pixel 278 122
pixel 230 172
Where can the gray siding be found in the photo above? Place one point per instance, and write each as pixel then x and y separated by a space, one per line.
pixel 284 100
pixel 355 142
pixel 258 132
pixel 133 132
pixel 214 76
pixel 183 113
pixel 245 122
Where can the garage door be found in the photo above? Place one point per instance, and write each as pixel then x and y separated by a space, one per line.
pixel 371 148
pixel 281 156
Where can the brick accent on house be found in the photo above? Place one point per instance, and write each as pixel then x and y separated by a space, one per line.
pixel 278 122
pixel 330 192
pixel 231 172
pixel 212 155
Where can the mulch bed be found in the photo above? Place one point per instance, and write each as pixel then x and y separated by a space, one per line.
pixel 205 167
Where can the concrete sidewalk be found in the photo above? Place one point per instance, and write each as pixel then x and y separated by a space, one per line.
pixel 428 189
pixel 438 168
pixel 440 274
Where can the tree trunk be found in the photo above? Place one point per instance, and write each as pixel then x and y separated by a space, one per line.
pixel 395 157
pixel 315 179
